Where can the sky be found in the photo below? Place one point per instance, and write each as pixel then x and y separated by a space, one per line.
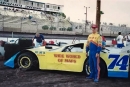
pixel 115 11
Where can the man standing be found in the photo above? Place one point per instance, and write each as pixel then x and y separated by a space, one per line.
pixel 39 39
pixel 119 40
pixel 127 39
pixel 94 46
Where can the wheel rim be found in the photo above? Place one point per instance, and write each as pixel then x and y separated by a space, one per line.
pixel 25 62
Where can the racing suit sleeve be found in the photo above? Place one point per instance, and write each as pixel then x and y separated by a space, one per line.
pixel 118 38
pixel 87 45
pixel 42 37
pixel 34 38
pixel 99 42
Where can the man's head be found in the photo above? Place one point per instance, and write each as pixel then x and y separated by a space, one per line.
pixel 119 33
pixel 129 34
pixel 94 28
pixel 37 34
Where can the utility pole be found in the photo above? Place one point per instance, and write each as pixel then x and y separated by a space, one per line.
pixel 21 24
pixel 98 15
pixel 86 22
pixel 3 22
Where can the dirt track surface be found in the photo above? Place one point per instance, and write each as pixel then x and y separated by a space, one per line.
pixel 37 78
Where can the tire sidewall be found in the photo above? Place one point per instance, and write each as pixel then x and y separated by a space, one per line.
pixel 87 68
pixel 102 68
pixel 25 55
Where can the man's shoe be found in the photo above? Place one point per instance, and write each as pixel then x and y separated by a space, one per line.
pixel 96 80
pixel 89 77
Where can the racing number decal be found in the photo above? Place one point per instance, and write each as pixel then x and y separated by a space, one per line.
pixel 122 62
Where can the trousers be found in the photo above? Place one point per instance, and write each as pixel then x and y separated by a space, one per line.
pixel 38 44
pixel 119 45
pixel 94 65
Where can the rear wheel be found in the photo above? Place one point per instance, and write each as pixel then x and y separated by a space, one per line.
pixel 26 61
pixel 103 68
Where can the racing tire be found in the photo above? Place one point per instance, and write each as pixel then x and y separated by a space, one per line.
pixel 103 68
pixel 26 61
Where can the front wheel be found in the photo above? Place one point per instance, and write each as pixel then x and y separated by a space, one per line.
pixel 26 61
pixel 103 68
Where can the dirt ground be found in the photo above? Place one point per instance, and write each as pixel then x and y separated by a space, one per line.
pixel 37 78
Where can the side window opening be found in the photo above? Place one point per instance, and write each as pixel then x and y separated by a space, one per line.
pixel 74 48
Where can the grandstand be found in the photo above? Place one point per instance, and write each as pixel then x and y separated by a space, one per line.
pixel 30 21
pixel 31 17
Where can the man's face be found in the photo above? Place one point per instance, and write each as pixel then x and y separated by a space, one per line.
pixel 129 34
pixel 94 30
pixel 37 35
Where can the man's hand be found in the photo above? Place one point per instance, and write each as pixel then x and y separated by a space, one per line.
pixel 97 55
pixel 86 54
pixel 33 44
pixel 43 43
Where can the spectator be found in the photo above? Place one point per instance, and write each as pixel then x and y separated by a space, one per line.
pixel 30 17
pixel 5 8
pixel 114 42
pixel 119 40
pixel 127 38
pixel 39 39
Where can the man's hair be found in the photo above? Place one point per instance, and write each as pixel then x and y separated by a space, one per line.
pixel 129 33
pixel 119 33
pixel 37 34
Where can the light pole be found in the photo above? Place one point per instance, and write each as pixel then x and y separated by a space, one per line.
pixel 21 24
pixel 78 24
pixel 86 22
pixel 3 22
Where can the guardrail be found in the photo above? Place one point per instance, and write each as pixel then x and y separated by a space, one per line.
pixel 9 33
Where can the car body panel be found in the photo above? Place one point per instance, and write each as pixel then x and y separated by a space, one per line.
pixel 65 61
pixel 54 59
pixel 11 61
pixel 117 61
pixel 117 64
pixel 57 60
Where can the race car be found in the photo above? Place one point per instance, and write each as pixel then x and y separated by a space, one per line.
pixel 114 62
